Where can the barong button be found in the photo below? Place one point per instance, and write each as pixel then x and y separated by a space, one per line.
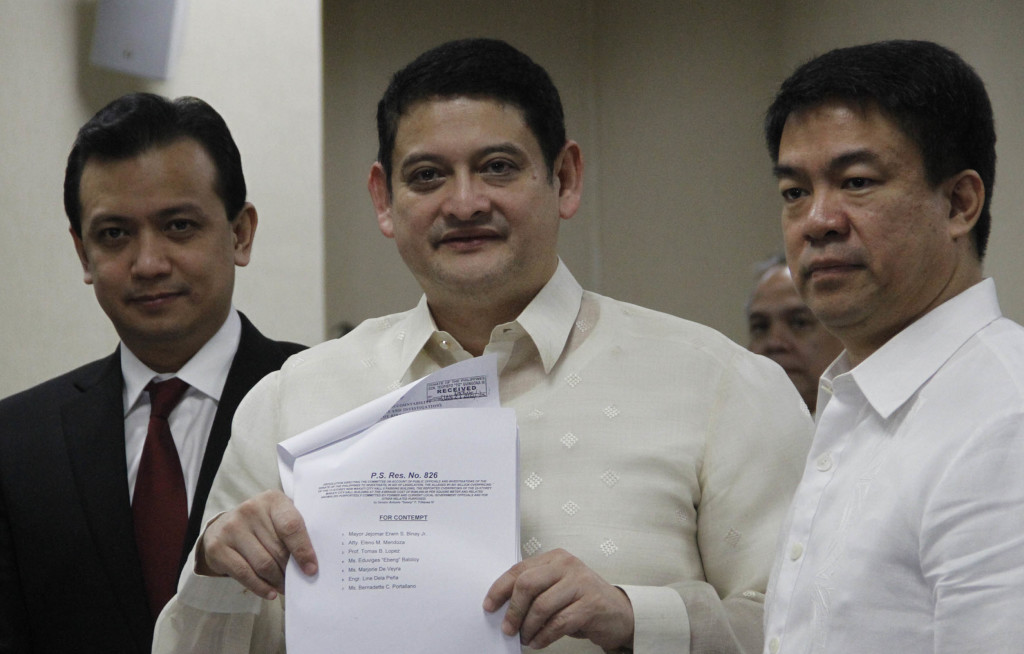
pixel 824 462
pixel 796 551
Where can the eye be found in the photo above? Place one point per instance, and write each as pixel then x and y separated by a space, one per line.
pixel 499 167
pixel 179 225
pixel 757 328
pixel 111 233
pixel 111 236
pixel 792 193
pixel 802 322
pixel 857 183
pixel 424 178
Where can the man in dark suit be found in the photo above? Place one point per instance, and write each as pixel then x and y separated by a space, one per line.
pixel 155 196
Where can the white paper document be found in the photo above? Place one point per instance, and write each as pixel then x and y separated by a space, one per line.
pixel 411 504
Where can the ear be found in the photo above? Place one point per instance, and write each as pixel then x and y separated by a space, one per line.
pixel 568 172
pixel 243 229
pixel 378 187
pixel 80 249
pixel 966 198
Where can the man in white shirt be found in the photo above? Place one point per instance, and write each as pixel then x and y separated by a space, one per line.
pixel 905 532
pixel 656 456
pixel 782 328
pixel 155 198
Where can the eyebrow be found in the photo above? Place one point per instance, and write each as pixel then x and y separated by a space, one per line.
pixel 105 219
pixel 836 165
pixel 502 148
pixel 184 207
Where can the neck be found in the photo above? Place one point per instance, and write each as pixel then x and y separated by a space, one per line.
pixel 860 346
pixel 471 326
pixel 162 361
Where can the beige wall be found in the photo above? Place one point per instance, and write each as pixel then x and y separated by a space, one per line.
pixel 673 212
pixel 364 43
pixel 258 63
pixel 986 34
pixel 664 96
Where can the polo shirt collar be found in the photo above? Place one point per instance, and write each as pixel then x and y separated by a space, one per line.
pixel 898 369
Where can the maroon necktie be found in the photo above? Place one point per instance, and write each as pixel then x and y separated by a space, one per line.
pixel 160 504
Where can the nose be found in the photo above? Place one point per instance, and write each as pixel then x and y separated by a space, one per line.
pixel 780 339
pixel 151 256
pixel 467 198
pixel 775 338
pixel 826 218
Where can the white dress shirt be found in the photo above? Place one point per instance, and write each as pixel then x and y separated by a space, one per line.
pixel 906 533
pixel 192 418
pixel 656 450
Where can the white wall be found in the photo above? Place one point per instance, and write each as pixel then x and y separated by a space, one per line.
pixel 258 62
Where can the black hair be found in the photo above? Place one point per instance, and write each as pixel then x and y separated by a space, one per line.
pixel 930 93
pixel 481 68
pixel 137 122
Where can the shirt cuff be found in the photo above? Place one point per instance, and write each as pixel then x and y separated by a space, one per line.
pixel 660 621
pixel 217 594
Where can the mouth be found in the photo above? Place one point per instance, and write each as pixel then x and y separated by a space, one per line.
pixel 155 300
pixel 462 239
pixel 826 268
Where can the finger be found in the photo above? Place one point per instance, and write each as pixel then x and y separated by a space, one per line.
pixel 548 614
pixel 567 622
pixel 290 529
pixel 501 589
pixel 241 571
pixel 225 550
pixel 259 548
pixel 531 584
pixel 595 610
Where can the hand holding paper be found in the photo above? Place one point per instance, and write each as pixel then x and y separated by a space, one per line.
pixel 253 542
pixel 554 595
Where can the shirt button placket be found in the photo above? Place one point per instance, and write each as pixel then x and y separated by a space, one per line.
pixel 824 462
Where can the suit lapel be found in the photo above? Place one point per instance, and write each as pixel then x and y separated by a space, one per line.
pixel 257 357
pixel 93 425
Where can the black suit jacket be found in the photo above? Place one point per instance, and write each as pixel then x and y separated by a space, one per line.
pixel 70 576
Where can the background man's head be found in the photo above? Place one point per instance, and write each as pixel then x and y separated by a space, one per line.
pixel 156 199
pixel 476 68
pixel 782 328
pixel 138 122
pixel 933 96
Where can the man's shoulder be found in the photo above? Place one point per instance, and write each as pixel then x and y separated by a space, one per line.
pixel 46 397
pixel 364 342
pixel 998 349
pixel 73 381
pixel 653 328
pixel 252 338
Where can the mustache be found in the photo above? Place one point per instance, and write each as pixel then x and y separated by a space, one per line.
pixel 831 259
pixel 486 227
pixel 151 294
